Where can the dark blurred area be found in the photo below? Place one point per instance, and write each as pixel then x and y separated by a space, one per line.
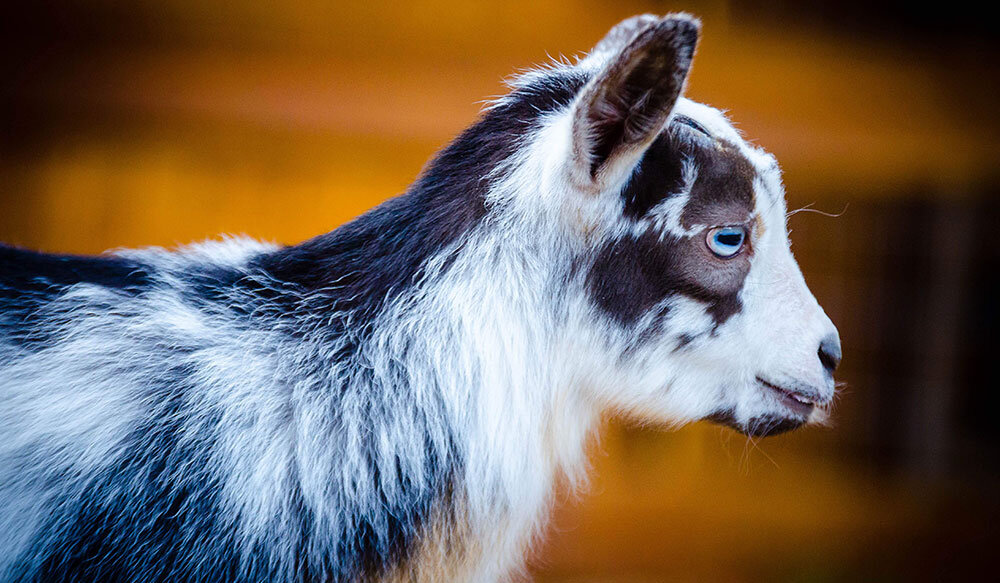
pixel 159 123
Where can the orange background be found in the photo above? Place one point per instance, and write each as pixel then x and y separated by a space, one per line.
pixel 161 123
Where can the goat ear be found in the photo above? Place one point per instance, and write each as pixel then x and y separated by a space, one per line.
pixel 618 37
pixel 623 108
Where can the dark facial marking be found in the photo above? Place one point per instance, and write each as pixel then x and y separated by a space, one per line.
pixel 657 176
pixel 635 273
pixel 723 190
pixel 723 193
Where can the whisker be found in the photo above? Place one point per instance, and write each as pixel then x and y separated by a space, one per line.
pixel 757 447
pixel 807 209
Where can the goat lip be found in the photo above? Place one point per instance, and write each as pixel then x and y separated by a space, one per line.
pixel 799 404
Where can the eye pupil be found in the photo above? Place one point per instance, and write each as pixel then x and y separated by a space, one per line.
pixel 726 241
pixel 730 239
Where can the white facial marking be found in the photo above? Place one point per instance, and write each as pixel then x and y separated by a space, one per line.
pixel 665 217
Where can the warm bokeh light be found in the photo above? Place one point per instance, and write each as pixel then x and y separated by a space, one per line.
pixel 162 123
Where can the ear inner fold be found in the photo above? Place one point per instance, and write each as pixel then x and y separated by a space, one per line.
pixel 624 107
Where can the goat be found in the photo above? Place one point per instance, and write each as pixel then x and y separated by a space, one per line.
pixel 394 400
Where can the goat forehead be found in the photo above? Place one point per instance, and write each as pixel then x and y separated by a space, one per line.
pixel 710 118
pixel 719 126
pixel 687 179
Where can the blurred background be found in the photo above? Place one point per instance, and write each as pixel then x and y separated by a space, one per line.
pixel 164 122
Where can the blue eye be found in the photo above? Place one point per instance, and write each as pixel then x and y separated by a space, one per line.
pixel 726 241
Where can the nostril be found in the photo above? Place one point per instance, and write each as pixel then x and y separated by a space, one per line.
pixel 829 352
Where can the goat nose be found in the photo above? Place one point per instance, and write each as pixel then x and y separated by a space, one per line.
pixel 829 352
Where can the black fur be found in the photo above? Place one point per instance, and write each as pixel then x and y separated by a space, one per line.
pixel 631 275
pixel 29 280
pixel 141 519
pixel 764 426
pixel 725 177
pixel 657 176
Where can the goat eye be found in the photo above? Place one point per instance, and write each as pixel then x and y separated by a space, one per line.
pixel 726 241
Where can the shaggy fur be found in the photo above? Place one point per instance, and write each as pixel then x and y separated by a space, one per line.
pixel 393 401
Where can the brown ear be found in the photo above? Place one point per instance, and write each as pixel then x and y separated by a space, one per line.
pixel 622 109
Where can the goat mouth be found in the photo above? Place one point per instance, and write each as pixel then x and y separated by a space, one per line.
pixel 801 405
